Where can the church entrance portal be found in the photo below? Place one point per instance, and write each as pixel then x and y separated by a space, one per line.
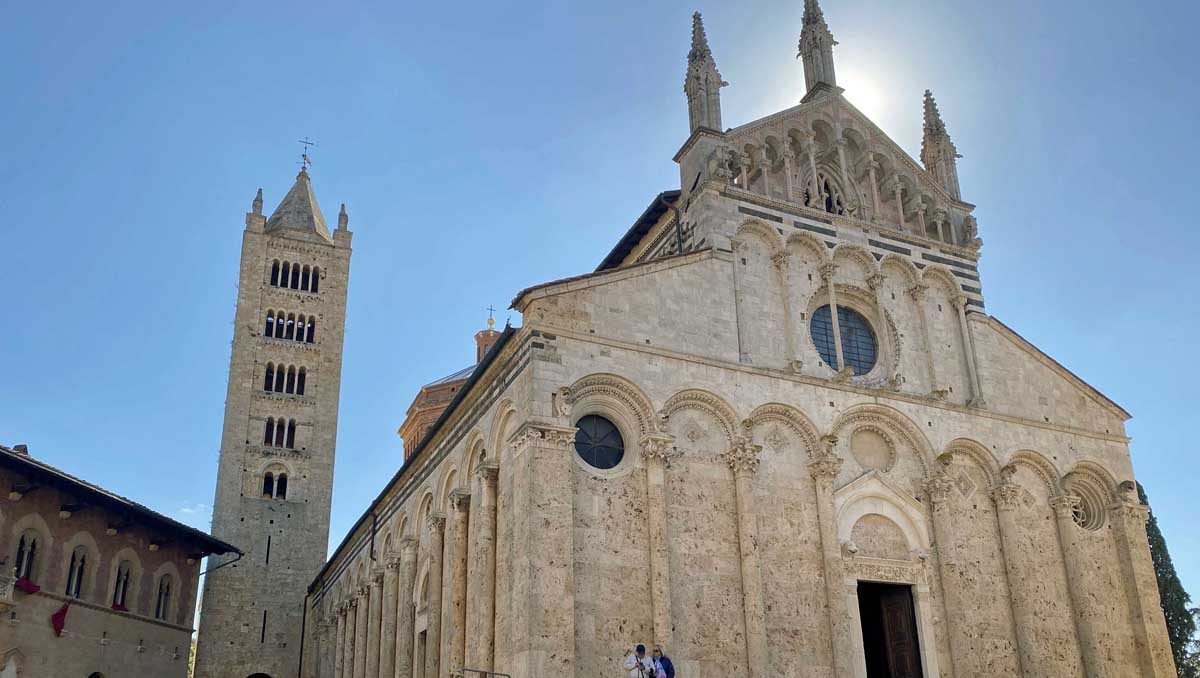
pixel 889 629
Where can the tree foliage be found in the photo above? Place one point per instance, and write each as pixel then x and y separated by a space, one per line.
pixel 1181 619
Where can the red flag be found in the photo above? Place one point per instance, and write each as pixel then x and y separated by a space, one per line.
pixel 58 619
pixel 25 586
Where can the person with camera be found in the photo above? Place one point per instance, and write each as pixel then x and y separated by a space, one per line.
pixel 637 664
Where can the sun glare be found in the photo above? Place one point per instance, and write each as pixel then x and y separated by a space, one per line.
pixel 864 93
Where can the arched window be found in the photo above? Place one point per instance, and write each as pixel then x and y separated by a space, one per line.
pixel 269 377
pixel 312 331
pixel 304 278
pixel 275 273
pixel 268 489
pixel 291 434
pixel 27 553
pixel 295 276
pixel 290 331
pixel 287 270
pixel 269 330
pixel 75 572
pixel 269 432
pixel 281 485
pixel 291 380
pixel 858 339
pixel 316 276
pixel 280 324
pixel 279 377
pixel 300 379
pixel 162 604
pixel 121 586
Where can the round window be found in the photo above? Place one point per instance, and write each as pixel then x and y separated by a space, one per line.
pixel 858 341
pixel 598 442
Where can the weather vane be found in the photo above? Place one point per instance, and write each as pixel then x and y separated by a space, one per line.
pixel 306 161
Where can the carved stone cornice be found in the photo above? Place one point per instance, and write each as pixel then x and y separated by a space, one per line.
pixel 659 448
pixel 744 457
pixel 1007 496
pixel 534 434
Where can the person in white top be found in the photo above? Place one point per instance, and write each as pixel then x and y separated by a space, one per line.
pixel 637 664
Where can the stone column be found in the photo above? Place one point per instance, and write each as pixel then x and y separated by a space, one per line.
pixel 814 196
pixel 898 186
pixel 387 624
pixel 481 584
pixel 1064 514
pixel 850 199
pixel 454 607
pixel 917 294
pixel 373 623
pixel 876 210
pixel 339 648
pixel 828 272
pixel 782 260
pixel 960 305
pixel 351 630
pixel 543 580
pixel 433 633
pixel 1141 587
pixel 743 459
pixel 764 168
pixel 823 466
pixel 1007 498
pixel 920 206
pixel 657 452
pixel 963 656
pixel 406 608
pixel 789 167
pixel 360 632
pixel 943 225
pixel 743 162
pixel 875 282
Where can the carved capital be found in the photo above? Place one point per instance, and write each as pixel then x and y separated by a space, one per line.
pixel 460 499
pixel 1007 496
pixel 352 604
pixel 825 464
pixel 827 271
pixel 392 564
pixel 488 472
pixel 875 281
pixel 659 449
pixel 377 578
pixel 1066 505
pixel 781 258
pixel 408 548
pixel 938 488
pixel 897 184
pixel 958 299
pixel 437 522
pixel 533 434
pixel 744 457
pixel 917 291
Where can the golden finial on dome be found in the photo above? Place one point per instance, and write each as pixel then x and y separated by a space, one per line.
pixel 491 320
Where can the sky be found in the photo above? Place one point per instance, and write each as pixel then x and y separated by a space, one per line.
pixel 484 147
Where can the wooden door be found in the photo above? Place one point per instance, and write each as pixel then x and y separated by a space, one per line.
pixel 900 632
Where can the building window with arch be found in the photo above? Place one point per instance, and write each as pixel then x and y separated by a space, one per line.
pixel 275 273
pixel 280 433
pixel 75 572
pixel 27 554
pixel 284 379
pixel 162 603
pixel 275 484
pixel 858 340
pixel 121 586
pixel 294 276
pixel 598 442
pixel 831 197
pixel 269 328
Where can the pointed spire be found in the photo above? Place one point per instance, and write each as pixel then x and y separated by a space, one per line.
pixel 299 209
pixel 256 206
pixel 703 82
pixel 343 218
pixel 816 49
pixel 938 153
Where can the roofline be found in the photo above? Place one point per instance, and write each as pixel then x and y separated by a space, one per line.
pixel 639 229
pixel 65 482
pixel 480 369
pixel 518 300
pixel 1121 411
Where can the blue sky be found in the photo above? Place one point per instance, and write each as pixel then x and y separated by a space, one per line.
pixel 485 147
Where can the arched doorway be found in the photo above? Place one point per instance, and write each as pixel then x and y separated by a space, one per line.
pixel 96 674
pixel 258 675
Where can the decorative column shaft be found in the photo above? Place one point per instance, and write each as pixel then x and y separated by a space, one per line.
pixel 373 624
pixel 360 632
pixel 1064 517
pixel 917 293
pixel 406 608
pixel 1007 497
pixel 942 225
pixel 454 620
pixel 823 466
pixel 898 186
pixel 657 452
pixel 875 282
pixel 351 631
pixel 876 211
pixel 789 167
pixel 849 199
pixel 963 656
pixel 920 206
pixel 814 196
pixel 782 261
pixel 1141 586
pixel 764 168
pixel 433 632
pixel 968 340
pixel 481 584
pixel 743 459
pixel 828 272
pixel 339 648
pixel 387 624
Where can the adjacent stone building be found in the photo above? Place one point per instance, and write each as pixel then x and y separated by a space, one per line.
pixel 119 579
pixel 775 431
pixel 275 471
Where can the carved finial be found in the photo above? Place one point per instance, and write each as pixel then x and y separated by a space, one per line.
pixel 343 218
pixel 934 127
pixel 700 50
pixel 256 206
pixel 703 82
pixel 816 48
pixel 938 153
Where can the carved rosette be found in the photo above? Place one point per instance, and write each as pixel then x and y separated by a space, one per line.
pixel 659 449
pixel 744 457
pixel 1007 496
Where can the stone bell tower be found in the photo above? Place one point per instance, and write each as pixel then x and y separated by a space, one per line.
pixel 275 471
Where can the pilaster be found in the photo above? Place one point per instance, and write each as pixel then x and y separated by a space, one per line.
pixel 743 460
pixel 1065 507
pixel 406 608
pixel 481 584
pixel 454 620
pixel 1141 586
pixel 657 452
pixel 387 625
pixel 823 466
pixel 433 632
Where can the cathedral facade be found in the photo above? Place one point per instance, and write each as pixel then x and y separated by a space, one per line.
pixel 776 432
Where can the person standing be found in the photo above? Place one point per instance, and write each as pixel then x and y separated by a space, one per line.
pixel 637 664
pixel 662 663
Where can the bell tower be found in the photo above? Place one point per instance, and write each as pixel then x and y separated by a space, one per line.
pixel 275 470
